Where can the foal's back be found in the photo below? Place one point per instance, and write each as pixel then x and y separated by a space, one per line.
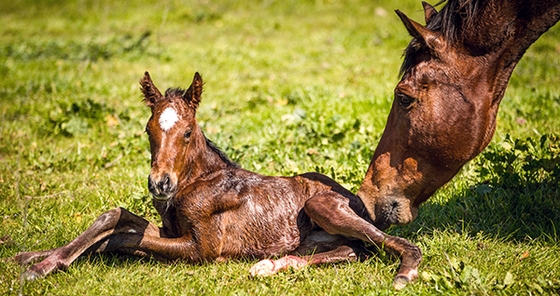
pixel 244 214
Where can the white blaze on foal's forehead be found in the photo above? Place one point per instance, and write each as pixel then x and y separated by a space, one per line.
pixel 168 118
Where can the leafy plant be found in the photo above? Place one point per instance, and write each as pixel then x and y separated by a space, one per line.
pixel 75 118
pixel 94 50
pixel 521 164
pixel 520 183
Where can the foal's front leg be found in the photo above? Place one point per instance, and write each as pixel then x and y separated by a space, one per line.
pixel 332 212
pixel 113 222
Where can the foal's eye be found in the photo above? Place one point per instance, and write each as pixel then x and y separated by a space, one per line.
pixel 404 100
pixel 187 134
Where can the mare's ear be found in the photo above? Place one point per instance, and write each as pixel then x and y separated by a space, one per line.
pixel 430 38
pixel 150 91
pixel 429 11
pixel 194 93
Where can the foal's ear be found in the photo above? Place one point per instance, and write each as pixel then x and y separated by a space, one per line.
pixel 429 11
pixel 430 38
pixel 150 91
pixel 193 95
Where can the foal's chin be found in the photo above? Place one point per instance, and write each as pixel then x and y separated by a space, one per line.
pixel 163 197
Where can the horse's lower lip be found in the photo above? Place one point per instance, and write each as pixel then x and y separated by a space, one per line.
pixel 162 197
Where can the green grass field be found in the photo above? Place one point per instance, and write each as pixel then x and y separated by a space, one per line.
pixel 291 86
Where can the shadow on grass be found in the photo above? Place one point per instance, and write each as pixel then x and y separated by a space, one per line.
pixel 515 195
pixel 114 260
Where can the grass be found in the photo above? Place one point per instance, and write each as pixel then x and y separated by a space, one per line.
pixel 291 86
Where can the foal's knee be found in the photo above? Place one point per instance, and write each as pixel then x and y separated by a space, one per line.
pixel 328 212
pixel 110 217
pixel 314 206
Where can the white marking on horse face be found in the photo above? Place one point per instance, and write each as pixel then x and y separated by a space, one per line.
pixel 168 118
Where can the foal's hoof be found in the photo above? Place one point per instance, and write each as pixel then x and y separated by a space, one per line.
pixel 30 275
pixel 19 259
pixel 262 268
pixel 27 258
pixel 400 282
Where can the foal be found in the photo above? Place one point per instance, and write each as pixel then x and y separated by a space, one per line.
pixel 212 210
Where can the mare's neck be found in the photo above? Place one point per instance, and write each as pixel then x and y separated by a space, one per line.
pixel 501 31
pixel 487 25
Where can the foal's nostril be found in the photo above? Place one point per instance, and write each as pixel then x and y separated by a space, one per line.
pixel 151 184
pixel 166 183
pixel 162 187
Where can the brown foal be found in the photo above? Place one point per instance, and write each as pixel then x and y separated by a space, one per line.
pixel 212 210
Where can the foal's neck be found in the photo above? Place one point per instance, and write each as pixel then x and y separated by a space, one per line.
pixel 206 160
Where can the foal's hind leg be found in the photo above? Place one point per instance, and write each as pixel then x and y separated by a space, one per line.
pixel 109 223
pixel 333 213
pixel 268 266
pixel 30 257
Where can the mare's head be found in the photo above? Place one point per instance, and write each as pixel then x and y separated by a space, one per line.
pixel 454 75
pixel 175 137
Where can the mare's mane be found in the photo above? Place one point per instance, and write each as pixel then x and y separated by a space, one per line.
pixel 455 17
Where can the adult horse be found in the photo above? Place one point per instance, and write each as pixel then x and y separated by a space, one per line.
pixel 454 75
pixel 213 210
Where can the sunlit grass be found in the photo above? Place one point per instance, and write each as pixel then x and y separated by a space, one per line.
pixel 291 87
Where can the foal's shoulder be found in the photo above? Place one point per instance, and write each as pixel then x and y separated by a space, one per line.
pixel 320 181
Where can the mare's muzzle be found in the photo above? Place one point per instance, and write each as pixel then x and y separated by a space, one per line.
pixel 393 210
pixel 162 189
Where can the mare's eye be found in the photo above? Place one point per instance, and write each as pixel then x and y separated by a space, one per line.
pixel 147 130
pixel 404 100
pixel 187 134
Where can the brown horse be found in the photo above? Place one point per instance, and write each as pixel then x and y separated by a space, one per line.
pixel 454 76
pixel 213 210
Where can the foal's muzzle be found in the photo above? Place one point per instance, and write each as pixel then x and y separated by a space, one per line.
pixel 162 189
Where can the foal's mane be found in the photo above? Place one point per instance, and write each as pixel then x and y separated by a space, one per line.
pixel 179 93
pixel 220 153
pixel 175 92
pixel 456 16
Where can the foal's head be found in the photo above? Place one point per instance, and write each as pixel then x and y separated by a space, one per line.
pixel 175 137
